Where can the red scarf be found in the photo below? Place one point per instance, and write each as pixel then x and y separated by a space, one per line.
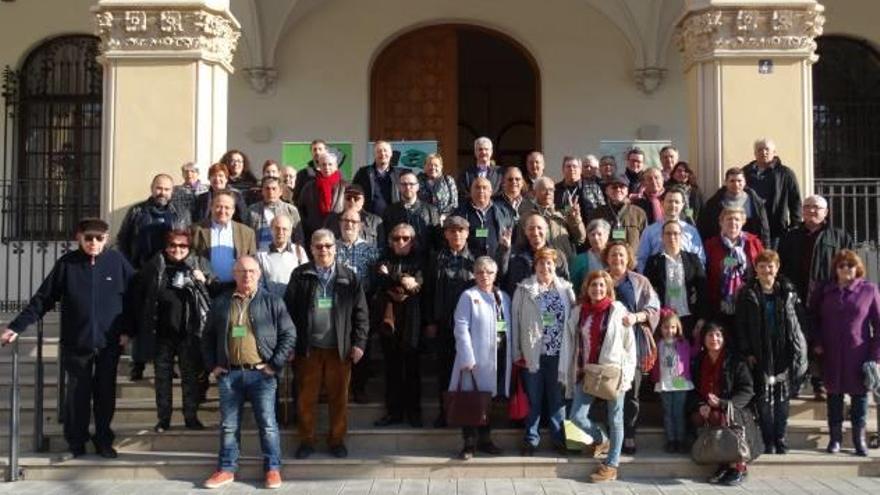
pixel 710 376
pixel 595 337
pixel 654 199
pixel 325 186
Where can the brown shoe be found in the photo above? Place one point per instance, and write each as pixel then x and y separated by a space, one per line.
pixel 604 473
pixel 219 479
pixel 597 448
pixel 273 479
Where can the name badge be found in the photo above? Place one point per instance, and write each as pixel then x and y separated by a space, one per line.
pixel 679 382
pixel 730 262
pixel 689 212
pixel 618 234
pixel 482 233
pixel 325 303
pixel 239 331
pixel 674 291
pixel 548 319
pixel 500 326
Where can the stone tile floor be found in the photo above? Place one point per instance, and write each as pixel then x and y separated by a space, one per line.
pixel 504 486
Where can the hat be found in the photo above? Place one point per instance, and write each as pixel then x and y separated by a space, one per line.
pixel 91 224
pixel 354 189
pixel 618 178
pixel 456 222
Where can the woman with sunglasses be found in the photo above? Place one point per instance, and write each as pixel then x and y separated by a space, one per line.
pixel 845 310
pixel 397 313
pixel 174 303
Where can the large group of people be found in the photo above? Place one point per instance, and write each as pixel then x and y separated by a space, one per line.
pixel 718 306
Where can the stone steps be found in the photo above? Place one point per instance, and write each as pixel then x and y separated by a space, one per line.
pixel 198 466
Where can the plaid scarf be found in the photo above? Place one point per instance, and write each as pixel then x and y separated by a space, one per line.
pixel 733 272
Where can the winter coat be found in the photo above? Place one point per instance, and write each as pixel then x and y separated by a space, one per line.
pixel 752 338
pixel 497 219
pixel 307 204
pixel 618 348
pixel 566 232
pixel 408 313
pixel 784 208
pixel 528 330
pixel 792 250
pixel 467 176
pixel 443 195
pixel 148 283
pixel 694 281
pixel 715 253
pixel 630 217
pixel 424 219
pixel 517 267
pixel 842 322
pixel 96 300
pixel 447 277
pixel 350 314
pixel 367 178
pixel 476 341
pixel 737 389
pixel 141 235
pixel 708 222
pixel 273 330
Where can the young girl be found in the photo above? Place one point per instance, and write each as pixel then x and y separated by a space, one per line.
pixel 672 376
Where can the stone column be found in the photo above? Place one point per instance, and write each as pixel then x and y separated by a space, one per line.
pixel 748 75
pixel 166 68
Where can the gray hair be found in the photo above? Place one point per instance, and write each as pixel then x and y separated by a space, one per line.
pixel 403 226
pixel 189 166
pixel 590 159
pixel 323 234
pixel 329 155
pixel 482 140
pixel 599 224
pixel 765 142
pixel 281 217
pixel 544 182
pixel 484 262
pixel 819 201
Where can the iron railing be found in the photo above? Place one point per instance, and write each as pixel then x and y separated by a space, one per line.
pixel 853 206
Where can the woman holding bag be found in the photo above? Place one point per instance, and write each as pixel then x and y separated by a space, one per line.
pixel 541 306
pixel 596 335
pixel 481 323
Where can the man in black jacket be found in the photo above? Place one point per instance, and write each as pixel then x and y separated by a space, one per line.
pixel 379 180
pixel 142 233
pixel 317 147
pixel 248 338
pixel 423 217
pixel 483 166
pixel 735 194
pixel 329 309
pixel 777 185
pixel 92 285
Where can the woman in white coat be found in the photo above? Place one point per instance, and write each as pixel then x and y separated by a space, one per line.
pixel 481 323
pixel 541 306
pixel 598 333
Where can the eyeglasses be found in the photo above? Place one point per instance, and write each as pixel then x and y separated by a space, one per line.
pixel 322 246
pixel 401 238
pixel 93 237
pixel 178 245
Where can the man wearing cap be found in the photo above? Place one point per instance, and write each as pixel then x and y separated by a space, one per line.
pixel 92 284
pixel 450 272
pixel 627 220
pixel 807 251
pixel 370 228
pixel 379 180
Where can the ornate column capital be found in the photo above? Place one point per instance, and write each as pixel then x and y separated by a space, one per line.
pixel 185 30
pixel 261 79
pixel 751 30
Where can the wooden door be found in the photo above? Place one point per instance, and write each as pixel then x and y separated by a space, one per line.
pixel 414 91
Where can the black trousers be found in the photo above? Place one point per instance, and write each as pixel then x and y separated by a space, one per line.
pixel 773 414
pixel 91 388
pixel 189 356
pixel 631 407
pixel 403 378
pixel 445 360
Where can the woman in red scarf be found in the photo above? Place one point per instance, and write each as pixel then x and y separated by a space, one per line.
pixel 721 378
pixel 598 336
pixel 322 195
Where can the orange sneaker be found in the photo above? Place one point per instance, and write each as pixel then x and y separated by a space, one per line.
pixel 273 479
pixel 220 478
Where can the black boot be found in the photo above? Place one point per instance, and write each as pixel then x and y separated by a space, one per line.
pixel 835 433
pixel 858 438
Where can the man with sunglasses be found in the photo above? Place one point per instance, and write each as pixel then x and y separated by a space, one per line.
pixel 328 307
pixel 92 284
pixel 423 217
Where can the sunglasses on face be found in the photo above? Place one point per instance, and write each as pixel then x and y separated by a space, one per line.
pixel 93 237
pixel 401 238
pixel 322 246
pixel 178 245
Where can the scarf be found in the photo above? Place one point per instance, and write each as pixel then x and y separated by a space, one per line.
pixel 325 186
pixel 654 200
pixel 733 272
pixel 590 339
pixel 710 375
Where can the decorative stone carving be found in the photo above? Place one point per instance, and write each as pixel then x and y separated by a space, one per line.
pixel 648 79
pixel 261 79
pixel 199 33
pixel 767 31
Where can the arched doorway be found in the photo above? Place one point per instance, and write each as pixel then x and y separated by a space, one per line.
pixel 453 83
pixel 846 108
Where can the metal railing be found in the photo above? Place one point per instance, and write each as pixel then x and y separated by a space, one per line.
pixel 853 206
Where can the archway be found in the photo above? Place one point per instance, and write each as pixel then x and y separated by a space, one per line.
pixel 453 83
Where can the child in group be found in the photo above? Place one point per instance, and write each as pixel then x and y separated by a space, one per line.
pixel 672 376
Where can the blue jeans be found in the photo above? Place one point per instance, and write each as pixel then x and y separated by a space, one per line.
pixel 580 416
pixel 673 414
pixel 239 386
pixel 543 388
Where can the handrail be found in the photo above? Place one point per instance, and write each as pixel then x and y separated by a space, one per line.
pixel 14 419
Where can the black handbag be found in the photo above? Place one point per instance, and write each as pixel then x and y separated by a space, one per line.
pixel 467 407
pixel 725 444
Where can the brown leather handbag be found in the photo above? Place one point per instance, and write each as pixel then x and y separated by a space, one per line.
pixel 467 407
pixel 604 381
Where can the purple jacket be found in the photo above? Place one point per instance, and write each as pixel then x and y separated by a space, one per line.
pixel 842 321
pixel 683 349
